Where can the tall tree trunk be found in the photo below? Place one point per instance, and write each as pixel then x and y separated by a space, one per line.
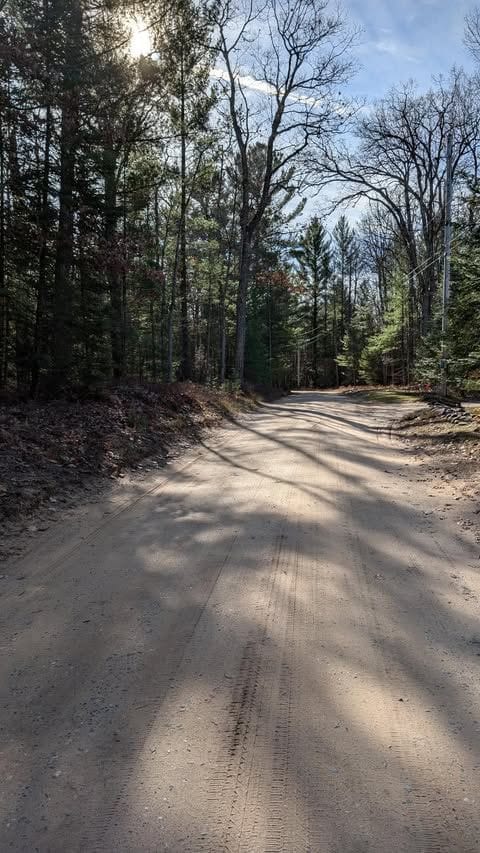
pixel 223 316
pixel 270 347
pixel 112 261
pixel 163 301
pixel 223 347
pixel 84 282
pixel 342 299
pixel 315 328
pixel 171 312
pixel 39 341
pixel 153 342
pixel 223 293
pixel 63 286
pixel 3 282
pixel 241 324
pixel 334 335
pixel 161 280
pixel 185 364
pixel 325 321
pixel 411 320
pixel 40 333
pixel 349 305
pixel 428 281
pixel 209 327
pixel 63 296
pixel 124 299
pixel 170 376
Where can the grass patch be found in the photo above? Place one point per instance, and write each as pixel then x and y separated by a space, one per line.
pixel 385 395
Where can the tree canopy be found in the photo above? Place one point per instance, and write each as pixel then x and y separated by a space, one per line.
pixel 183 202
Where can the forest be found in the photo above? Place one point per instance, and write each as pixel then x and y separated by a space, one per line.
pixel 188 193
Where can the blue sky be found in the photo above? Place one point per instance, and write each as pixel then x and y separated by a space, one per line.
pixel 405 39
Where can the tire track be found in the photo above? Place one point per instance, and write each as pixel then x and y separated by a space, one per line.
pixel 243 761
pixel 264 751
pixel 203 652
pixel 252 767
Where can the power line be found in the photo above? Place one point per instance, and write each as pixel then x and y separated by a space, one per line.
pixel 294 345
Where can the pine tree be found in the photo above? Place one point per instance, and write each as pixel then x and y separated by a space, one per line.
pixel 185 72
pixel 313 255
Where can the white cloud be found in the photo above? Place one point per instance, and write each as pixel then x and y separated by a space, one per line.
pixel 249 82
pixel 393 48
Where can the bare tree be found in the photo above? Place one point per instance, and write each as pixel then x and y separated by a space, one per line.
pixel 377 236
pixel 282 63
pixel 472 32
pixel 399 163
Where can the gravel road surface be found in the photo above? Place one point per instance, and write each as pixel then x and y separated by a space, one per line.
pixel 272 646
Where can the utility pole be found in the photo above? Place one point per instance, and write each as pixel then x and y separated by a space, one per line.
pixel 298 365
pixel 446 264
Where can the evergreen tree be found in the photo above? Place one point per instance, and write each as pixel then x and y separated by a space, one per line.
pixel 313 255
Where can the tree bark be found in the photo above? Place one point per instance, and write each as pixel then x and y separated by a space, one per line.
pixel 224 290
pixel 40 335
pixel 334 335
pixel 39 342
pixel 242 294
pixel 63 287
pixel 185 364
pixel 62 310
pixel 171 310
pixel 113 272
pixel 3 283
pixel 315 326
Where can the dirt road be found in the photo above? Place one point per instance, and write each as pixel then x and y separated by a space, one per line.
pixel 276 648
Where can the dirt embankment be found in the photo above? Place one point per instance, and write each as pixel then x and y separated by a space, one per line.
pixel 51 451
pixel 444 436
pixel 446 441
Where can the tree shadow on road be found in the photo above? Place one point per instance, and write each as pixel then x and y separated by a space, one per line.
pixel 308 608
